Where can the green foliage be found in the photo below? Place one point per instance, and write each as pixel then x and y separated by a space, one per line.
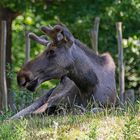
pixel 93 130
pixel 13 130
pixel 21 6
pixel 5 115
pixel 132 61
pixel 131 129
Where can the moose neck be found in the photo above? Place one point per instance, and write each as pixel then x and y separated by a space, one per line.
pixel 82 71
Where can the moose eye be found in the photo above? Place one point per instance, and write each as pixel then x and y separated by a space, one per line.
pixel 51 52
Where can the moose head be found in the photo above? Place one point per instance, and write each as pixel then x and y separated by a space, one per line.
pixel 53 63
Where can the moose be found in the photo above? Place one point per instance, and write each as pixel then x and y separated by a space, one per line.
pixel 85 77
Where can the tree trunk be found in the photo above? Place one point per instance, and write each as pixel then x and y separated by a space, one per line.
pixel 9 16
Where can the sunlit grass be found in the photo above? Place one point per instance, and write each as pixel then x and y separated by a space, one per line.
pixel 111 124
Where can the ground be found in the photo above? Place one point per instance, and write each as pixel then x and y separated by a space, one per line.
pixel 110 124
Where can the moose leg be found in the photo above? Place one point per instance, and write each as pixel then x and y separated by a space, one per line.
pixel 35 105
pixel 67 93
pixel 63 89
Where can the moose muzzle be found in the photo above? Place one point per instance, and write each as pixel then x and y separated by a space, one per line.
pixel 27 80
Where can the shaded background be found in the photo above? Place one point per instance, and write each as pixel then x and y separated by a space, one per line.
pixel 78 15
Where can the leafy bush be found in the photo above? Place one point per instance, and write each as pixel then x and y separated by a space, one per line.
pixel 132 61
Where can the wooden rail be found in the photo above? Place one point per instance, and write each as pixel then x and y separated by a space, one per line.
pixel 120 62
pixel 94 35
pixel 27 47
pixel 3 84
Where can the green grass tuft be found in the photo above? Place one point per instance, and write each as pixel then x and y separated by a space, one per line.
pixel 110 124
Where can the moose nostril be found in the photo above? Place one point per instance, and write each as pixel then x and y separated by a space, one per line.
pixel 23 77
pixel 21 81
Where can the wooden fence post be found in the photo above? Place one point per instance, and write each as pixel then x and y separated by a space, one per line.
pixel 120 62
pixel 27 47
pixel 94 35
pixel 3 84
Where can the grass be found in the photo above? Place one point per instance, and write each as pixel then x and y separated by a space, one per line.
pixel 111 124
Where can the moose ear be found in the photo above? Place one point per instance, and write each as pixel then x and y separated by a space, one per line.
pixel 58 33
pixel 51 32
pixel 59 36
pixel 67 35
